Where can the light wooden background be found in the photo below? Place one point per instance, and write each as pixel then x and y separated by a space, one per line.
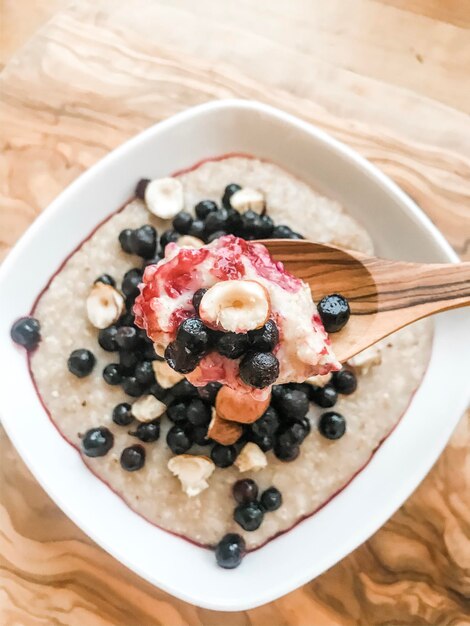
pixel 388 77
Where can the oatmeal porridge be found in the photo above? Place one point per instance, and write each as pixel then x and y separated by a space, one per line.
pixel 194 458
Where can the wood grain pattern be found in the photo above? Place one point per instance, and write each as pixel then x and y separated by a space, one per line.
pixel 387 78
pixel 383 295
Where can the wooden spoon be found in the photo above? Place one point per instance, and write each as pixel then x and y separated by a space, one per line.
pixel 383 295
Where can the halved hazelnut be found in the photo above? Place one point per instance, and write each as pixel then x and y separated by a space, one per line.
pixel 188 241
pixel 147 408
pixel 164 197
pixel 247 198
pixel 104 305
pixel 235 305
pixel 251 458
pixel 166 376
pixel 192 471
pixel 234 406
pixel 223 431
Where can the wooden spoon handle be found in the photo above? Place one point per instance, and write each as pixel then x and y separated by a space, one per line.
pixel 383 295
pixel 414 290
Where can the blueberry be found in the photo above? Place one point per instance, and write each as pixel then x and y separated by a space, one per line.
pixel 228 193
pixel 198 413
pixel 245 490
pixel 284 232
pixel 332 425
pixel 345 381
pixel 303 387
pixel 199 435
pixel 130 282
pixel 229 551
pixel 164 395
pixel 249 516
pixel 147 431
pixel 271 499
pixel 144 241
pixel 259 369
pixel 178 440
pixel 205 207
pixel 153 261
pixel 141 187
pixel 168 236
pixel 216 221
pixel 144 373
pixel 267 424
pixel 197 229
pixel 232 345
pixel 112 374
pixel 265 442
pixel 184 389
pixel 97 441
pixel 266 227
pixel 128 361
pixel 107 338
pixel 334 312
pixel 122 415
pixel 133 458
pixel 125 239
pixel 26 332
pixel 193 336
pixel 182 222
pixel 293 404
pixel 126 320
pixel 286 452
pixel 326 396
pixel 255 226
pixel 264 339
pixel 106 279
pixel 81 362
pixel 148 352
pixel 179 359
pixel 178 412
pixel 127 338
pixel 209 392
pixel 278 392
pixel 307 426
pixel 213 236
pixel 223 456
pixel 197 297
pixel 291 435
pixel 132 387
pixel 234 222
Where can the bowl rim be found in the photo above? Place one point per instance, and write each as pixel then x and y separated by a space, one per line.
pixel 369 170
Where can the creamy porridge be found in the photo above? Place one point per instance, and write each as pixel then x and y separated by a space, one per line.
pixel 387 375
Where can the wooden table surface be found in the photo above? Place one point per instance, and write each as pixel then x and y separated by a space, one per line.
pixel 389 78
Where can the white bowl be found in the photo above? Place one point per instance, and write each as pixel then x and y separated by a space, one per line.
pixel 399 229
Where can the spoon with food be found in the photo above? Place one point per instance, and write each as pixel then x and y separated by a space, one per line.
pixel 252 314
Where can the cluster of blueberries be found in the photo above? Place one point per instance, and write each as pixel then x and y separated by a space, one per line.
pixel 211 222
pixel 282 428
pixel 249 514
pixel 258 367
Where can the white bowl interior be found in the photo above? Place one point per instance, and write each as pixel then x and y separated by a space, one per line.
pixel 399 230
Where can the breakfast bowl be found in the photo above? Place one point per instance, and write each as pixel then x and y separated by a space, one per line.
pixel 398 229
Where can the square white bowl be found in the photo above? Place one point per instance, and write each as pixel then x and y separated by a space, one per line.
pixel 399 229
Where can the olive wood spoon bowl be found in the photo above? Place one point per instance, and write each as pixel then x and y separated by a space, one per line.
pixel 383 295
